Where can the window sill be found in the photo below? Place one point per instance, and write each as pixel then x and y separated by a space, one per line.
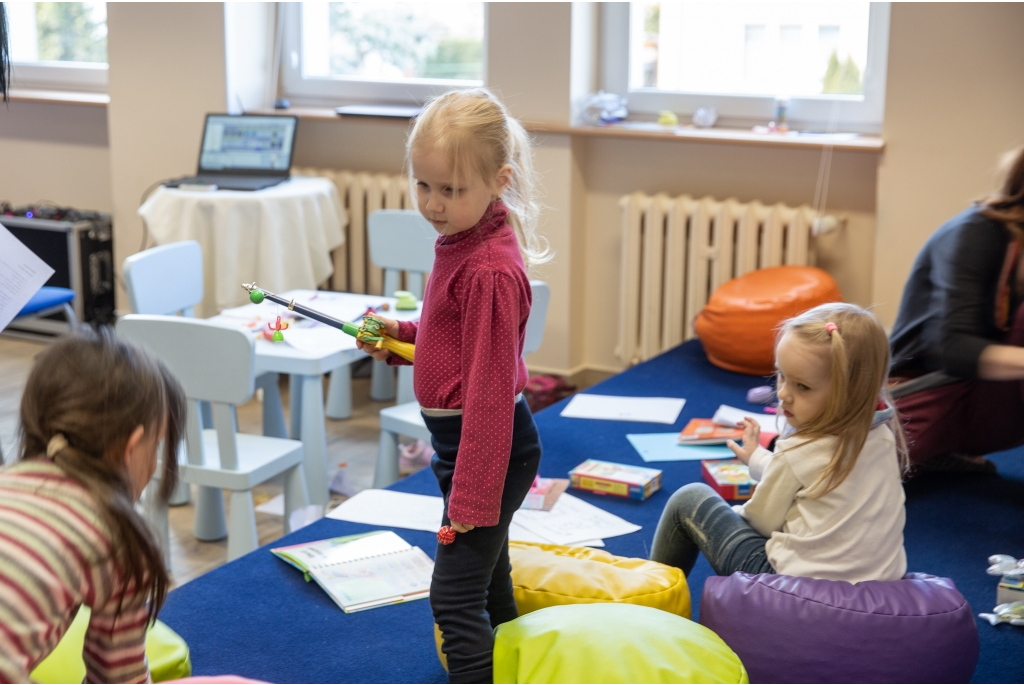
pixel 842 142
pixel 60 97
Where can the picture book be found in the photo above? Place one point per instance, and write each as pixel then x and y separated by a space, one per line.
pixel 621 480
pixel 730 478
pixel 363 571
pixel 707 432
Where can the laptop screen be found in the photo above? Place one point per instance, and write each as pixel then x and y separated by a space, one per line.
pixel 247 143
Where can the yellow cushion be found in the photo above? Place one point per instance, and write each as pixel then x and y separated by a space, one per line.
pixel 551 575
pixel 611 643
pixel 166 653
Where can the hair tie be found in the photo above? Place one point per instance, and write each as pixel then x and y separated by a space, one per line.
pixel 831 328
pixel 57 443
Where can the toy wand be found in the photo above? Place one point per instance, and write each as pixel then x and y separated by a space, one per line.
pixel 371 331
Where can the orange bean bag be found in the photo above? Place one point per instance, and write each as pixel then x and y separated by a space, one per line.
pixel 738 325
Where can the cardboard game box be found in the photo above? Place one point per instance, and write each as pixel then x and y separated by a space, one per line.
pixel 620 480
pixel 730 478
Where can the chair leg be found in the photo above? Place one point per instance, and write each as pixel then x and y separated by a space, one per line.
pixel 386 472
pixel 382 382
pixel 182 494
pixel 295 494
pixel 209 525
pixel 69 314
pixel 295 405
pixel 242 537
pixel 339 393
pixel 273 411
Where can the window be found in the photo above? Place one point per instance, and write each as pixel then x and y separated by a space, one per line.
pixel 59 45
pixel 401 52
pixel 827 59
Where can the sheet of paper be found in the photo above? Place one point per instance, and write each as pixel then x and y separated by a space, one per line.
pixel 520 534
pixel 273 506
pixel 666 447
pixel 318 338
pixel 392 510
pixel 572 521
pixel 22 274
pixel 731 416
pixel 613 408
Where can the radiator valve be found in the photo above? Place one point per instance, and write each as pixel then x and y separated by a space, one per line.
pixel 824 224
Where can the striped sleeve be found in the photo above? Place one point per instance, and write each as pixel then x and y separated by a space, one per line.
pixel 115 649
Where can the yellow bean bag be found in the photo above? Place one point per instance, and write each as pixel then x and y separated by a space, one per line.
pixel 737 326
pixel 166 652
pixel 550 575
pixel 611 643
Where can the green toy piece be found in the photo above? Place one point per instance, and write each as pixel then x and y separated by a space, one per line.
pixel 278 336
pixel 256 296
pixel 406 300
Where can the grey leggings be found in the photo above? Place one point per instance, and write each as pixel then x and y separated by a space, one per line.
pixel 696 519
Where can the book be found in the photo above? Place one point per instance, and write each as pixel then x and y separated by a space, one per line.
pixel 363 571
pixel 621 480
pixel 730 478
pixel 707 432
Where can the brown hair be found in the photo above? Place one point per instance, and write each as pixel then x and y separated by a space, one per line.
pixel 94 390
pixel 1007 203
pixel 859 369
pixel 476 130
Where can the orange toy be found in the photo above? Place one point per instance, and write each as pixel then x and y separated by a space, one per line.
pixel 737 326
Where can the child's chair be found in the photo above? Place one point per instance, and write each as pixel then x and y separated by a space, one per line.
pixel 405 418
pixel 399 240
pixel 216 365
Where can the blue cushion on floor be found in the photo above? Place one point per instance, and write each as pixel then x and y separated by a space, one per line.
pixel 46 298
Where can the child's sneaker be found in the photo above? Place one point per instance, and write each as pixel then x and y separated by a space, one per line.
pixel 414 456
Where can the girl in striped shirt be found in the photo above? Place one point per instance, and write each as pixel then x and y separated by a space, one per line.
pixel 93 414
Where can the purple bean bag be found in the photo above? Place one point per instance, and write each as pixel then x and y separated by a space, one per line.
pixel 803 630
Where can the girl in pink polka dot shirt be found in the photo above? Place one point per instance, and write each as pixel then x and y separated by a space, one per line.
pixel 472 170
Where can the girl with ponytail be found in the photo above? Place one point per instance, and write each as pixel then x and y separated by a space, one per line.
pixel 94 412
pixel 829 503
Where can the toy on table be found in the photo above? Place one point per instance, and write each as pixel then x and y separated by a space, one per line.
pixel 371 330
pixel 277 328
pixel 406 300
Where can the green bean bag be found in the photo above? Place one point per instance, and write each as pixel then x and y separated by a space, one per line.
pixel 611 643
pixel 166 652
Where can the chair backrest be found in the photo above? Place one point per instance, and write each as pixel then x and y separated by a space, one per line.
pixel 165 280
pixel 538 316
pixel 401 240
pixel 214 363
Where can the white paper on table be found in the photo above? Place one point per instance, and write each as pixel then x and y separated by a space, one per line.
pixel 521 534
pixel 731 416
pixel 22 274
pixel 392 509
pixel 318 339
pixel 612 408
pixel 273 506
pixel 572 521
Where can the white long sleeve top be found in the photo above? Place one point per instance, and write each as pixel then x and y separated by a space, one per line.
pixel 853 533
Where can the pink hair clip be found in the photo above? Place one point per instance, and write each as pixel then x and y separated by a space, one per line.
pixel 831 328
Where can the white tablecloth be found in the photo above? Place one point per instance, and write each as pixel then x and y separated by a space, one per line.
pixel 280 237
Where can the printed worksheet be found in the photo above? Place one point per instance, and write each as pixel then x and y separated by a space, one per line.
pixel 572 522
pixel 613 408
pixel 22 274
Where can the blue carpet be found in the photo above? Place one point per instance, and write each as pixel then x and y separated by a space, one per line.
pixel 257 618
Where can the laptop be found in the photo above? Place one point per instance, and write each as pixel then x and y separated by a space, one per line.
pixel 243 152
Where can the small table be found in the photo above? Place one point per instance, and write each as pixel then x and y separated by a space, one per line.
pixel 307 363
pixel 281 237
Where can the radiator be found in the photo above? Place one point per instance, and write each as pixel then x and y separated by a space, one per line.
pixel 677 250
pixel 361 193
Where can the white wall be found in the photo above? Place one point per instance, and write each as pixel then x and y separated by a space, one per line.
pixel 954 102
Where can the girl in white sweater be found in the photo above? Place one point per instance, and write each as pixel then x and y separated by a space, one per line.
pixel 830 499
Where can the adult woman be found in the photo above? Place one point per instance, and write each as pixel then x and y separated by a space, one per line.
pixel 961 326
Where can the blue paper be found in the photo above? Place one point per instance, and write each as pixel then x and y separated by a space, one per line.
pixel 666 447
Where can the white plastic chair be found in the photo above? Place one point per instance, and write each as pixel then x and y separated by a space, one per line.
pixel 216 364
pixel 399 240
pixel 406 419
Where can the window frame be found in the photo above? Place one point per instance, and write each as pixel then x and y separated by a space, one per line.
pixel 346 90
pixel 860 114
pixel 72 77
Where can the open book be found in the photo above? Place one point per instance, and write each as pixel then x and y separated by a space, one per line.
pixel 363 571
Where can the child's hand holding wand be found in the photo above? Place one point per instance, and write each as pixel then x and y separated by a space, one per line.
pixel 381 355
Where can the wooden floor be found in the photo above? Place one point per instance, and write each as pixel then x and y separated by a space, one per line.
pixel 353 442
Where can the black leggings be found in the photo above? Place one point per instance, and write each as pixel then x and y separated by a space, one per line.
pixel 471 591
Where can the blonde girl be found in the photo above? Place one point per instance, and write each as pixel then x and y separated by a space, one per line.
pixel 472 173
pixel 830 499
pixel 93 413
